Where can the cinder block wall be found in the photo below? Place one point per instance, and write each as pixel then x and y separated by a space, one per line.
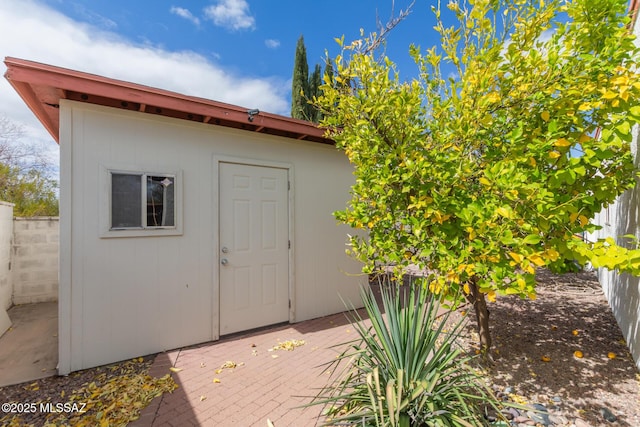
pixel 35 259
pixel 6 233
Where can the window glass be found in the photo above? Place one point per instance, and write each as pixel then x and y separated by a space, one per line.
pixel 160 201
pixel 126 203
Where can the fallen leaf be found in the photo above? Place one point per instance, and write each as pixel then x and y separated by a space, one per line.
pixel 218 371
pixel 172 369
pixel 202 364
pixel 575 332
pixel 578 354
pixel 289 345
pixel 611 355
pixel 554 328
pixel 216 381
pixel 275 356
pixel 545 359
pixel 203 398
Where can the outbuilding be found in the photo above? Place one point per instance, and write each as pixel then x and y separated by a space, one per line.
pixel 184 219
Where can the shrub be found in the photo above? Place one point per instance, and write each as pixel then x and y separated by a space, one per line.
pixel 406 368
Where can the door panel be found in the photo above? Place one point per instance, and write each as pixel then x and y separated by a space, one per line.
pixel 254 240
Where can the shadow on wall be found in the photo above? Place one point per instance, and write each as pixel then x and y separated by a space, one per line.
pixel 623 290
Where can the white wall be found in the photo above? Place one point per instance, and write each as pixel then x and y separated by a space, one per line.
pixel 35 260
pixel 6 234
pixel 139 295
pixel 623 290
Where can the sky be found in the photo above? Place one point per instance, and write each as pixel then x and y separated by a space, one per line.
pixel 235 51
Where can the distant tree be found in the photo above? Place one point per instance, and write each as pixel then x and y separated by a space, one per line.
pixel 315 81
pixel 300 82
pixel 24 174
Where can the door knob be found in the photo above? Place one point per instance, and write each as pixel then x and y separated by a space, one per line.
pixel 224 261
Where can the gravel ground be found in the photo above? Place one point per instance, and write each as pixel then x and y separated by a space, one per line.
pixel 535 359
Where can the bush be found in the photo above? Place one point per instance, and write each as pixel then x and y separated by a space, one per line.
pixel 406 368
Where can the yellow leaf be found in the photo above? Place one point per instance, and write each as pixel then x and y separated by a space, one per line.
pixel 503 212
pixel 578 354
pixel 493 97
pixel 537 260
pixel 545 116
pixel 484 181
pixel 575 332
pixel 491 296
pixel 545 359
pixel 584 138
pixel 532 296
pixel 554 154
pixel 611 355
pixel 218 371
pixel 203 397
pixel 516 257
pixel 466 289
pixel 521 283
pixel 573 217
pixel 216 381
pixel 583 220
pixel 172 369
pixel 609 95
pixel 532 161
pixel 562 142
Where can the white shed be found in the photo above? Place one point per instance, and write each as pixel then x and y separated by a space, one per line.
pixel 184 219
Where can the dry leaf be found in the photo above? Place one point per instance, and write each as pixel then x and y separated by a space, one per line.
pixel 203 398
pixel 218 371
pixel 578 354
pixel 575 332
pixel 202 364
pixel 275 356
pixel 216 381
pixel 554 328
pixel 289 345
pixel 172 369
pixel 545 359
pixel 611 355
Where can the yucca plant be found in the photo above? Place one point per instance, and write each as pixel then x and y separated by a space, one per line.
pixel 406 368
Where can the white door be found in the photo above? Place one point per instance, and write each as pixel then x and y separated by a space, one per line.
pixel 254 247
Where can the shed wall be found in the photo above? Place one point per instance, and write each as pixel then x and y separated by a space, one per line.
pixel 129 296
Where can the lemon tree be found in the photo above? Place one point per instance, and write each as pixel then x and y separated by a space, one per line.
pixel 495 159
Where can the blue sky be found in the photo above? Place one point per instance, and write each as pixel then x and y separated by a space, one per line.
pixel 235 51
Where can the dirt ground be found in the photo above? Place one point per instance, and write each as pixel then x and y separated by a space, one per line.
pixel 535 345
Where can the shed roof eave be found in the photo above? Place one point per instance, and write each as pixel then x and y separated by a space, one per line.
pixel 41 87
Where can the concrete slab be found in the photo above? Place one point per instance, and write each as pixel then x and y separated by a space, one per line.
pixel 29 349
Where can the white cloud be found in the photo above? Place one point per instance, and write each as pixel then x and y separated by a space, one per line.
pixel 232 14
pixel 41 34
pixel 185 13
pixel 272 43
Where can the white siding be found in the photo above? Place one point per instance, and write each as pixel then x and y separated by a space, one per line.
pixel 124 297
pixel 622 290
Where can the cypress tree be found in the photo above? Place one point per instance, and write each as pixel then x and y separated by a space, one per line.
pixel 300 82
pixel 315 81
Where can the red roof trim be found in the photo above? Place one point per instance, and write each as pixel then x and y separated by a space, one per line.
pixel 41 87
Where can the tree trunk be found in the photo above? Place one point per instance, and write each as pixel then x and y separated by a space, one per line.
pixel 477 298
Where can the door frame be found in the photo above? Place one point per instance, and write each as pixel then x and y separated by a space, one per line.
pixel 215 179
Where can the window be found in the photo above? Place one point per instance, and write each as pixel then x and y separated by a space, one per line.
pixel 142 201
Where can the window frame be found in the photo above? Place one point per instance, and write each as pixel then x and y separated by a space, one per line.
pixel 145 230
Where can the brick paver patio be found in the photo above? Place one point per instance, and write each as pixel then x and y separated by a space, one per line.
pixel 265 384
